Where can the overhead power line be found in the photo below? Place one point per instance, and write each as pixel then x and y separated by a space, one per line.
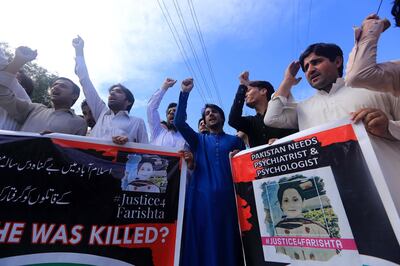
pixel 192 48
pixel 181 47
pixel 204 49
pixel 197 67
pixel 379 7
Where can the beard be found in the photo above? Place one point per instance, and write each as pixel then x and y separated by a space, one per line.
pixel 114 106
pixel 251 104
pixel 215 126
pixel 324 83
pixel 171 127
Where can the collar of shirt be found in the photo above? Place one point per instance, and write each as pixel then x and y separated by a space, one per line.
pixel 71 111
pixel 217 134
pixel 123 113
pixel 335 87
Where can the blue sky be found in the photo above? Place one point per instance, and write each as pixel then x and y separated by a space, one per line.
pixel 130 42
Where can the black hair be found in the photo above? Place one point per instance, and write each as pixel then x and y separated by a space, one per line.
pixel 198 123
pixel 287 185
pixel 171 105
pixel 128 94
pixel 261 84
pixel 216 108
pixel 328 50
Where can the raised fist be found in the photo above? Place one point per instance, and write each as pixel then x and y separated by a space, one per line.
pixel 25 54
pixel 244 78
pixel 168 83
pixel 78 44
pixel 187 85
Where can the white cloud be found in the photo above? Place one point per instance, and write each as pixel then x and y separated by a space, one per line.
pixel 123 38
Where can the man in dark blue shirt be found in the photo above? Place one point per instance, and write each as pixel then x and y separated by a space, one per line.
pixel 210 230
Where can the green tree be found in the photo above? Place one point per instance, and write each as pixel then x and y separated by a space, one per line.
pixel 41 77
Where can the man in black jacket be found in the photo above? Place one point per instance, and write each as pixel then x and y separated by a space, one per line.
pixel 257 95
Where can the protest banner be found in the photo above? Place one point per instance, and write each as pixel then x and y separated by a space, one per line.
pixel 317 197
pixel 68 199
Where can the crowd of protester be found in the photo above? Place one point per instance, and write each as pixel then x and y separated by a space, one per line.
pixel 368 94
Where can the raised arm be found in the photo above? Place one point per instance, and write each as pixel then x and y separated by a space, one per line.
pixel 93 99
pixel 362 70
pixel 13 97
pixel 153 116
pixel 180 116
pixel 281 111
pixel 289 80
pixel 235 115
pixel 23 55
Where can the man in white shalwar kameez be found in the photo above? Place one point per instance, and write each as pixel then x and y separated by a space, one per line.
pixel 380 112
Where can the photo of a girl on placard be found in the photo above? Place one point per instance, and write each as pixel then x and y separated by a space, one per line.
pixel 145 173
pixel 301 210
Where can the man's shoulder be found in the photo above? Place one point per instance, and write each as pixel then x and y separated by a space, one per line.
pixel 364 93
pixel 135 118
pixel 68 114
pixel 78 118
pixel 76 124
pixel 78 121
pixel 256 120
pixel 40 108
pixel 232 138
pixel 315 97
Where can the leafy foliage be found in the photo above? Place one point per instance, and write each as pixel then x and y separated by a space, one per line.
pixel 41 77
